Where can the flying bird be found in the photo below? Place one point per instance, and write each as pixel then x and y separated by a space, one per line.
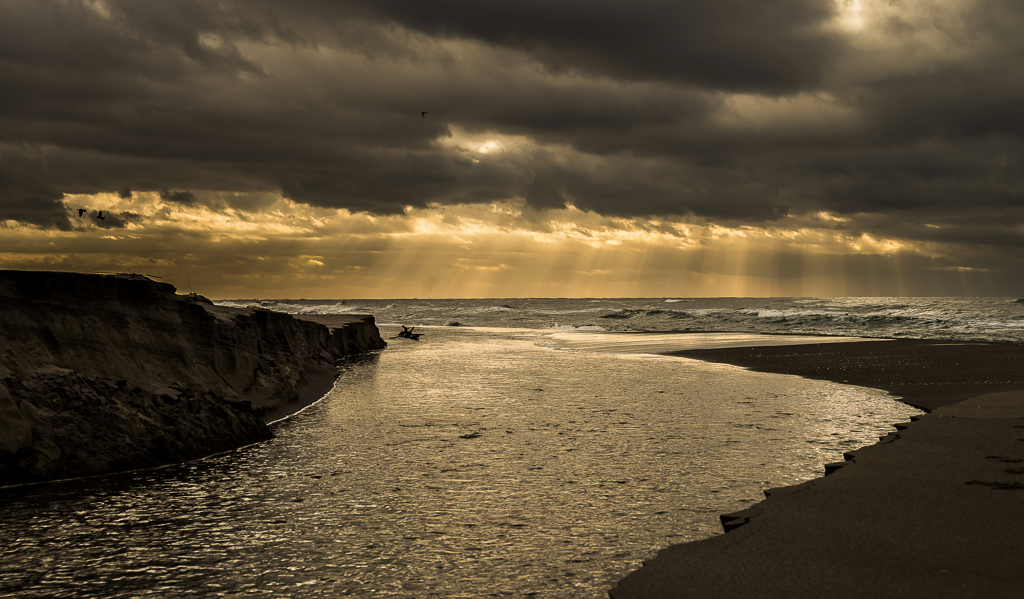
pixel 100 215
pixel 81 211
pixel 423 114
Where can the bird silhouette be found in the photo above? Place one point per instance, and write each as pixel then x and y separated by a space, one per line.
pixel 81 211
pixel 100 215
pixel 423 114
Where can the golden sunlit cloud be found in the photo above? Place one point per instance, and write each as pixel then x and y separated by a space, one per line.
pixel 850 14
pixel 496 249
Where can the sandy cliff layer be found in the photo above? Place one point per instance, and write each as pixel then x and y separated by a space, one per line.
pixel 105 373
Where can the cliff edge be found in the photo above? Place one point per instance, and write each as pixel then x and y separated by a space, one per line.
pixel 100 373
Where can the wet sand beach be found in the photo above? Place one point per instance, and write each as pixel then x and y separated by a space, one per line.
pixel 931 511
pixel 924 373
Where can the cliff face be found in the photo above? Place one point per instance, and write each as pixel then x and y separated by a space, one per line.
pixel 105 373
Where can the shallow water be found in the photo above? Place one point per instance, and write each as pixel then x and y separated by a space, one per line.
pixel 469 464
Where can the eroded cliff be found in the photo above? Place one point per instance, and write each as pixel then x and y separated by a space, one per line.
pixel 100 373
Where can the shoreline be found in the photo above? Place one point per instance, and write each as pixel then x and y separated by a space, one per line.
pixel 316 384
pixel 925 373
pixel 929 511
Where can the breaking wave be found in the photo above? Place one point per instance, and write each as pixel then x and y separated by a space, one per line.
pixel 991 319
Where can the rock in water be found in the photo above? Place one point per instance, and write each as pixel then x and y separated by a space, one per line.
pixel 100 373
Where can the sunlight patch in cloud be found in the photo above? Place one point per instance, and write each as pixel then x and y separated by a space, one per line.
pixel 868 244
pixel 826 216
pixel 850 14
pixel 961 269
pixel 99 7
pixel 484 142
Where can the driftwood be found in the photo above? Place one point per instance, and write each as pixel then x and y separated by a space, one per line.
pixel 407 333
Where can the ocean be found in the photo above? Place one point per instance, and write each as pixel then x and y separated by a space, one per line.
pixel 982 319
pixel 519 448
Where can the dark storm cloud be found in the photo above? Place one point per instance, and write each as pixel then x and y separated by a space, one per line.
pixel 738 45
pixel 131 78
pixel 135 87
pixel 34 210
pixel 955 102
pixel 110 220
pixel 184 198
pixel 663 192
pixel 625 108
pixel 25 194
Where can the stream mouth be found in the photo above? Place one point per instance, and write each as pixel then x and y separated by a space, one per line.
pixel 469 463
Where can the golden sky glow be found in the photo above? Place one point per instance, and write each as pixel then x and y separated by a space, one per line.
pixel 502 249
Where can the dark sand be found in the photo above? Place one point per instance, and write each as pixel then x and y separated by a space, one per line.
pixel 934 510
pixel 925 374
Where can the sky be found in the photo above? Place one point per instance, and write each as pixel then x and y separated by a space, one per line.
pixel 527 148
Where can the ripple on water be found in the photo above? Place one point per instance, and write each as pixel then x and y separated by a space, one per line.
pixel 471 465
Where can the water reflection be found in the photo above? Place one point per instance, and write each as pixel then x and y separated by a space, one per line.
pixel 468 464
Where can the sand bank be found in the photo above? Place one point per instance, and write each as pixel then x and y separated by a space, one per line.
pixel 931 511
pixel 924 373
